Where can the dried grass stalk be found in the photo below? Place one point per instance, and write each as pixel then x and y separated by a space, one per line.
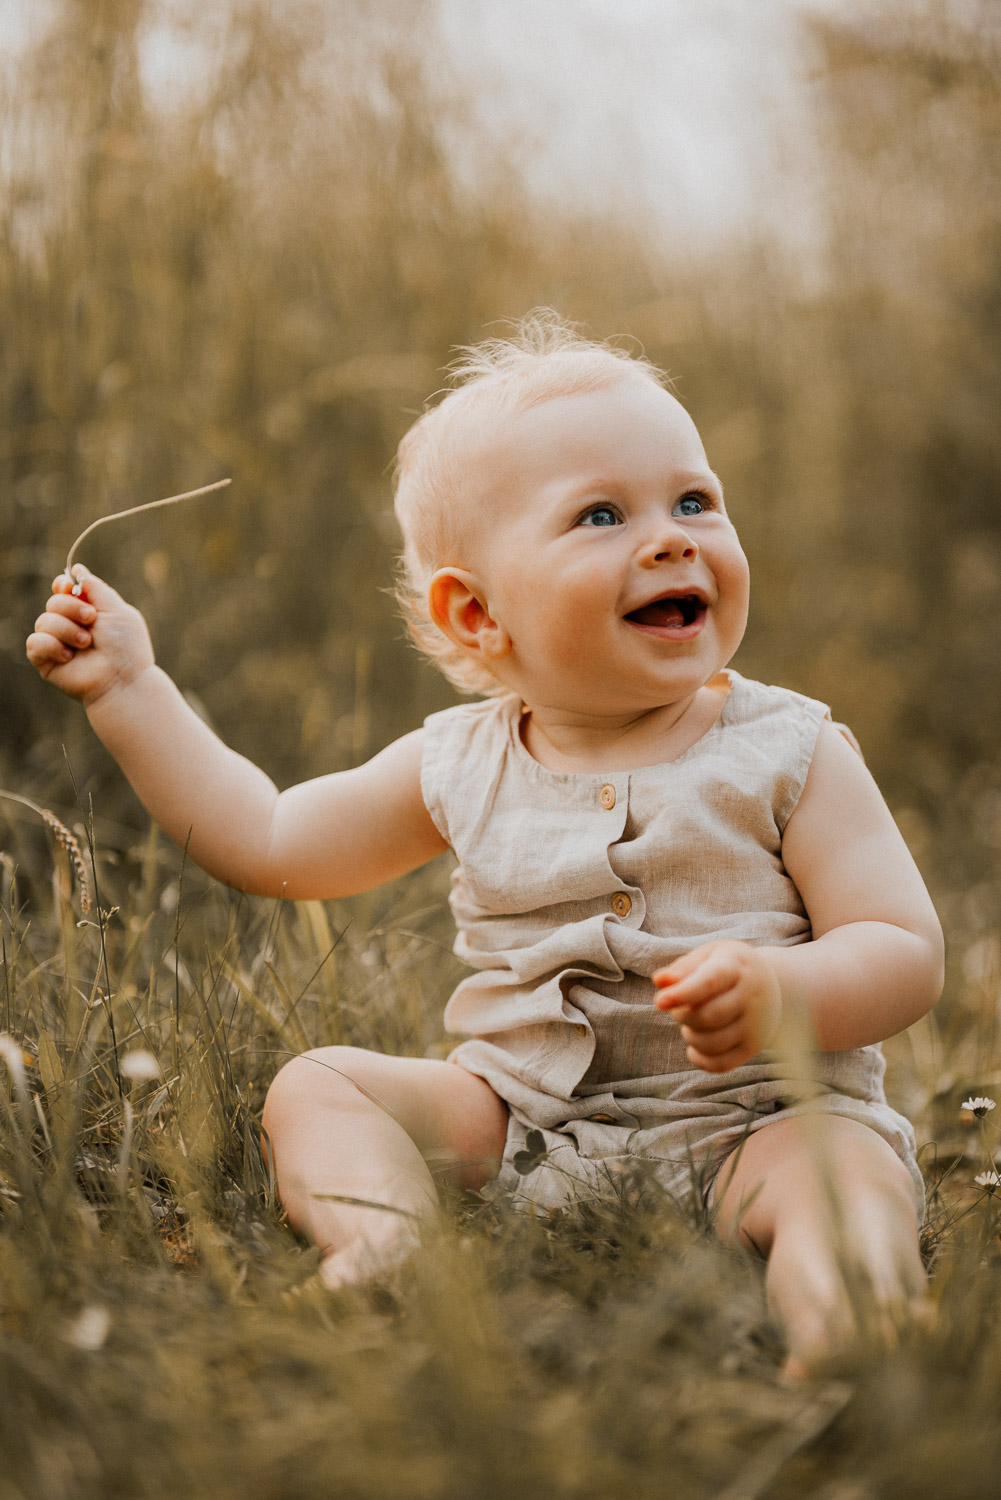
pixel 65 838
pixel 134 510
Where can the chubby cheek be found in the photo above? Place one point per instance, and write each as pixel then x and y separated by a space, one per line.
pixel 572 621
pixel 734 582
pixel 556 635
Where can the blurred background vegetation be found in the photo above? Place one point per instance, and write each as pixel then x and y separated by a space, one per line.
pixel 263 276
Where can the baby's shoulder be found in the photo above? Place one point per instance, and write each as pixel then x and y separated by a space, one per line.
pixel 455 729
pixel 752 702
pixel 464 753
pixel 773 737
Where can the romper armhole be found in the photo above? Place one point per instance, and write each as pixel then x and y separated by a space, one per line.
pixel 435 770
pixel 808 718
pixel 454 741
pixel 846 734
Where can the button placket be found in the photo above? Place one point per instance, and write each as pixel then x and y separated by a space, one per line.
pixel 621 903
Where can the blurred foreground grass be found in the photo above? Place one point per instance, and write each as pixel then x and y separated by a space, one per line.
pixel 158 1330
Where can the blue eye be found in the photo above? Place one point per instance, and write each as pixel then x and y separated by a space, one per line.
pixel 690 505
pixel 600 515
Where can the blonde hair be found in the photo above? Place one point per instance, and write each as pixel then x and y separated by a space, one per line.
pixel 543 359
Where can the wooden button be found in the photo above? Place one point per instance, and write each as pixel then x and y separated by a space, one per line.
pixel 603 1119
pixel 580 1028
pixel 607 796
pixel 621 904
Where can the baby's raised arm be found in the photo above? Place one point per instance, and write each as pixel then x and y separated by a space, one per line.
pixel 330 837
pixel 875 964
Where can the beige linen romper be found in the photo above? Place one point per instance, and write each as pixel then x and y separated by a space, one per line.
pixel 572 889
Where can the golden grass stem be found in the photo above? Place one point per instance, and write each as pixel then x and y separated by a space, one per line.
pixel 134 510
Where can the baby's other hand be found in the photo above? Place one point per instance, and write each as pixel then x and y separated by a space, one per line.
pixel 727 999
pixel 88 643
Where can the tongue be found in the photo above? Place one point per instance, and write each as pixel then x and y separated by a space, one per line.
pixel 667 613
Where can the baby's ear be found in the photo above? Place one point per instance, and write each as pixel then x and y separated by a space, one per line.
pixel 458 606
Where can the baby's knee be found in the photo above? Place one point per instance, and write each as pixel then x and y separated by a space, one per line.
pixel 305 1080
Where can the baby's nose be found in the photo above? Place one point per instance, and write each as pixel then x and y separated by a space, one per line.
pixel 671 543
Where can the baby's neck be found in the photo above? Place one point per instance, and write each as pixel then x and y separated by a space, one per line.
pixel 564 741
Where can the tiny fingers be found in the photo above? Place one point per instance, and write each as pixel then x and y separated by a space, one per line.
pixel 715 1043
pixel 719 1062
pixel 63 627
pixel 726 1000
pixel 682 967
pixel 44 650
pixel 712 978
pixel 71 583
pixel 73 606
pixel 714 1015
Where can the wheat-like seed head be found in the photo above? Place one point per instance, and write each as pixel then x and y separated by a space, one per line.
pixel 65 838
pixel 72 847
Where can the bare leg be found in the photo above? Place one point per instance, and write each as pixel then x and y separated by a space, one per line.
pixel 832 1207
pixel 348 1124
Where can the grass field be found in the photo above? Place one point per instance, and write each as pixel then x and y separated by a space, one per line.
pixel 263 278
pixel 160 1334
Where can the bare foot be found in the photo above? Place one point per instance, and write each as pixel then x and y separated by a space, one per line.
pixel 364 1260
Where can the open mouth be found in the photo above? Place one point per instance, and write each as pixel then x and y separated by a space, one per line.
pixel 673 612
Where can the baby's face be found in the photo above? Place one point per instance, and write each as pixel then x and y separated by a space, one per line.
pixel 604 550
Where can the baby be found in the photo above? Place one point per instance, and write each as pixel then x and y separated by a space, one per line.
pixel 663 867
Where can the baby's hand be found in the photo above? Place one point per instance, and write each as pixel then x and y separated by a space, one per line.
pixel 727 1000
pixel 88 643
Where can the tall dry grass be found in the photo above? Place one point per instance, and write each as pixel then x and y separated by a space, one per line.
pixel 261 277
pixel 159 1332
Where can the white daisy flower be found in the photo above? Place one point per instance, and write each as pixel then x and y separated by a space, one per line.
pixel 988 1181
pixel 140 1065
pixel 13 1055
pixel 90 1328
pixel 979 1106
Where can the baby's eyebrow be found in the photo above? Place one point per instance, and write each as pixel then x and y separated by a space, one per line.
pixel 683 478
pixel 696 477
